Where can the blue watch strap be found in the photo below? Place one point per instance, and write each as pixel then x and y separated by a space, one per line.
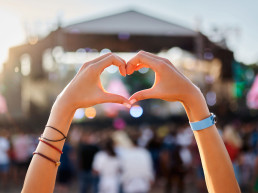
pixel 203 124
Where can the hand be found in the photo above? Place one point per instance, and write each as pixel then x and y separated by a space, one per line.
pixel 169 84
pixel 85 89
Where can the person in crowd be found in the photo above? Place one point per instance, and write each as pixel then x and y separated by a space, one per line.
pixel 137 168
pixel 232 141
pixel 108 166
pixel 246 167
pixel 255 179
pixel 87 149
pixel 172 163
pixel 22 153
pixel 199 178
pixel 154 147
pixel 4 158
pixel 66 170
pixel 85 90
pixel 233 144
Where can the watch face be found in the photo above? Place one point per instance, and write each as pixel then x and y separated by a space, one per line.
pixel 214 118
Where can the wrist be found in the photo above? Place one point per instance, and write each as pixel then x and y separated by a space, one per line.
pixel 61 116
pixel 196 107
pixel 64 104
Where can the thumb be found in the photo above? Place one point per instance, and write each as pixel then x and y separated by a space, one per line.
pixel 114 98
pixel 141 95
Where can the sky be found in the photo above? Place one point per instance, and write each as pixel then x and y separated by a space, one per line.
pixel 236 19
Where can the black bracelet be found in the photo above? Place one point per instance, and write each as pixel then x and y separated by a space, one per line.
pixel 64 137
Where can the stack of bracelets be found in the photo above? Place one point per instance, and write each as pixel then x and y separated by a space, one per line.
pixel 45 141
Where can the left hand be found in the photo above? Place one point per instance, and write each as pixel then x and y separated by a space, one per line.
pixel 86 90
pixel 169 84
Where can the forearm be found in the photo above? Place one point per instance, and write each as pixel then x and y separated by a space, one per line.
pixel 218 170
pixel 41 174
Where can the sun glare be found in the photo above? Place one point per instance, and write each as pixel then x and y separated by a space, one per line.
pixel 11 33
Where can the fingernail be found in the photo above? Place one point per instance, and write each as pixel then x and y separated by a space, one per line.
pixel 127 105
pixel 132 101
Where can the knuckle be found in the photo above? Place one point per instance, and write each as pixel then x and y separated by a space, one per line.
pixel 92 68
pixel 109 54
pixel 166 60
pixel 112 57
pixel 84 65
pixel 141 52
pixel 139 96
pixel 161 63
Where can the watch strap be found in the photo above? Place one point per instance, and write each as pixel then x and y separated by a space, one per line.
pixel 203 124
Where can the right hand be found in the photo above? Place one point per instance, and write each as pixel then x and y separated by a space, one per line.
pixel 169 85
pixel 86 90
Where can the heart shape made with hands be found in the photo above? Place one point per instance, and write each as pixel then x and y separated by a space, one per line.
pixel 141 60
pixel 127 86
pixel 139 88
pixel 164 87
pixel 136 63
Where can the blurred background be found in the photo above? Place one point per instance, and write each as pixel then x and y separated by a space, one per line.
pixel 150 147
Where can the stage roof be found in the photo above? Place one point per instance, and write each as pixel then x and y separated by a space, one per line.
pixel 131 22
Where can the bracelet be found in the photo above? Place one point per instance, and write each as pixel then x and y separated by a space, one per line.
pixel 52 140
pixel 57 163
pixel 50 145
pixel 203 124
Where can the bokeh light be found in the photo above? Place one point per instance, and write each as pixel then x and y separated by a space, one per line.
pixel 3 105
pixel 16 69
pixel 79 114
pixel 119 124
pixel 81 50
pixel 112 69
pixel 25 64
pixel 104 51
pixel 123 36
pixel 143 70
pixel 208 56
pixel 136 111
pixel 90 112
pixel 211 98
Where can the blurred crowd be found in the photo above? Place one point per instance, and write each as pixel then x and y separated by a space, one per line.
pixel 132 160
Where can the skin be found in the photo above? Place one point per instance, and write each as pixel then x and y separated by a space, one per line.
pixel 85 90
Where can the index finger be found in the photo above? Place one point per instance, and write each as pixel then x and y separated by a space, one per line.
pixel 144 59
pixel 109 60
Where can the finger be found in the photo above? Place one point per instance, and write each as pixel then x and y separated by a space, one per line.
pixel 142 95
pixel 163 59
pixel 94 61
pixel 112 59
pixel 114 98
pixel 158 57
pixel 142 58
pixel 99 58
pixel 140 66
pixel 120 70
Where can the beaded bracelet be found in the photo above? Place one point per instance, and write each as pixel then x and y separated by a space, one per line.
pixel 57 163
pixel 50 145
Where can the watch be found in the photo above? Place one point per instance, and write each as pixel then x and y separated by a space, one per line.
pixel 203 124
